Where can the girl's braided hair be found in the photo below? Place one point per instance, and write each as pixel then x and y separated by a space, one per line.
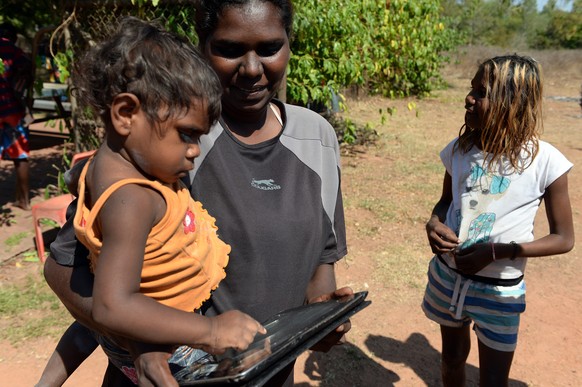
pixel 513 121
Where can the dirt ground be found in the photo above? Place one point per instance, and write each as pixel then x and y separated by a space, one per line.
pixel 391 342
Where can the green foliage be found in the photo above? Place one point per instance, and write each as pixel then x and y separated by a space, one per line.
pixel 28 16
pixel 141 3
pixel 413 38
pixel 15 239
pixel 516 24
pixel 64 61
pixel 350 133
pixel 564 29
pixel 61 187
pixel 181 23
pixel 393 48
pixel 32 256
pixel 390 48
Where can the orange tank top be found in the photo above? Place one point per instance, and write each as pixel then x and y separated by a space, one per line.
pixel 184 259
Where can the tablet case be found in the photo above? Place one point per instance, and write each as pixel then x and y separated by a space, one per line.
pixel 289 333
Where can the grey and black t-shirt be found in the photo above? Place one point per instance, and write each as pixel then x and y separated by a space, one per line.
pixel 278 204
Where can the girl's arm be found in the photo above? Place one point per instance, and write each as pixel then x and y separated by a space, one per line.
pixel 561 227
pixel 126 220
pixel 440 237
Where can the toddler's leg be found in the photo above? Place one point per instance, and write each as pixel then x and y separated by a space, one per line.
pixel 76 344
pixel 456 347
pixel 115 378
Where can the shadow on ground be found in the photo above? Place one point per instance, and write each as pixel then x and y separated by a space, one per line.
pixel 348 365
pixel 419 355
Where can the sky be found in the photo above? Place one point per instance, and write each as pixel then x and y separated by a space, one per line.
pixel 565 4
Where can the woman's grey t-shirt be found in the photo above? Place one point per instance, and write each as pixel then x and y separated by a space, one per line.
pixel 278 204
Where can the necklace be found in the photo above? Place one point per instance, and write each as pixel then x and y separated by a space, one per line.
pixel 276 113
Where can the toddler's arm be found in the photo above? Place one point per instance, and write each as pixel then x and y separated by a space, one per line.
pixel 74 287
pixel 126 220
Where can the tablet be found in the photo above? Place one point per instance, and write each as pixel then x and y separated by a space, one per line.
pixel 289 333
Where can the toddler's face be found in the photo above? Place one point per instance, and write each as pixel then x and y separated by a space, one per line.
pixel 167 153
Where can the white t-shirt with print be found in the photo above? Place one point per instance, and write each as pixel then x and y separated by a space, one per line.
pixel 495 204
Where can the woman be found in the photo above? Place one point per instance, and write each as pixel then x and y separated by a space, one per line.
pixel 268 172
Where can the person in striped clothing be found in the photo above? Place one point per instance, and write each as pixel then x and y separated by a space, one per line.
pixel 481 230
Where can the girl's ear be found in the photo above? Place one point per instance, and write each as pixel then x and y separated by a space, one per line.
pixel 124 108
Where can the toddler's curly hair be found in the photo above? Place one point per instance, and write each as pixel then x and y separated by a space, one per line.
pixel 163 70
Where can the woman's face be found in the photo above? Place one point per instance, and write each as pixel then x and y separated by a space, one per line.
pixel 249 50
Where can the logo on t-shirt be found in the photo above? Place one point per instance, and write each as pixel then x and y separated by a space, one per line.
pixel 188 222
pixel 266 185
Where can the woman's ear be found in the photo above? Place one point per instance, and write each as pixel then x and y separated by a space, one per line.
pixel 124 108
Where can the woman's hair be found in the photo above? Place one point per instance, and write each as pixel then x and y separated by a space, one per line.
pixel 162 70
pixel 513 121
pixel 208 14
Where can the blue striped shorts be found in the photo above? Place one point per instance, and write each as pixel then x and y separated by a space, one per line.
pixel 455 301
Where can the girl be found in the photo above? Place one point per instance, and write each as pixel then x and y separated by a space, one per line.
pixel 481 229
pixel 156 96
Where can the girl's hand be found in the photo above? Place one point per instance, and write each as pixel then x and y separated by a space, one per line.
pixel 474 258
pixel 440 237
pixel 232 329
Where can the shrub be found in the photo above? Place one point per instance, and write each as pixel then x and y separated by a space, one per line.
pixel 392 48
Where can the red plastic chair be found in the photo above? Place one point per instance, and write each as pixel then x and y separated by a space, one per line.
pixel 54 208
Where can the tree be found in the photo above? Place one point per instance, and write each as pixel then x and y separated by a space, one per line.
pixel 29 16
pixel 562 29
pixel 517 23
